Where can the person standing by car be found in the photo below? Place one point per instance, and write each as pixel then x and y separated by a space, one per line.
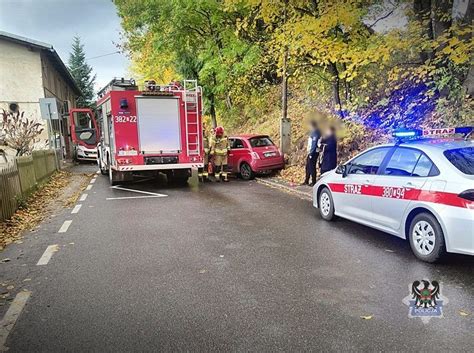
pixel 312 156
pixel 329 151
pixel 219 149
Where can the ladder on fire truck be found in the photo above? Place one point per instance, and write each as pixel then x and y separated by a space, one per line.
pixel 191 113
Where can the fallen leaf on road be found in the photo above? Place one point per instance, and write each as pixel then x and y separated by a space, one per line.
pixel 10 287
pixel 27 280
pixel 388 250
pixel 463 313
pixel 202 271
pixel 5 260
pixel 369 317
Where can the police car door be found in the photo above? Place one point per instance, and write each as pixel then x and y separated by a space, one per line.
pixel 404 174
pixel 354 199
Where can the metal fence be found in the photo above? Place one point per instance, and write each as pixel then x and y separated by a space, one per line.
pixel 20 177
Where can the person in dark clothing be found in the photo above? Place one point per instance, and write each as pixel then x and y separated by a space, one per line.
pixel 329 147
pixel 312 156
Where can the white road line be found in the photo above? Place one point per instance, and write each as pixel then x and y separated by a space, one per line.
pixel 133 197
pixel 89 187
pixel 50 250
pixel 12 314
pixel 76 209
pixel 65 226
pixel 139 191
pixel 83 197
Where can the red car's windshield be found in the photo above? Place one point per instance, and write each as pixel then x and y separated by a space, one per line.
pixel 260 141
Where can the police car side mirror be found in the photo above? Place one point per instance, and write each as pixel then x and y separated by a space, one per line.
pixel 342 169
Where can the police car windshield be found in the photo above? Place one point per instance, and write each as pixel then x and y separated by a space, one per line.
pixel 260 141
pixel 462 159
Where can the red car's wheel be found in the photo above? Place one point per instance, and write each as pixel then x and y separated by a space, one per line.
pixel 246 171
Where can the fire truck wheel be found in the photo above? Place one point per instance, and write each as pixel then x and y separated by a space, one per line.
pixel 246 171
pixel 103 169
pixel 180 180
pixel 112 177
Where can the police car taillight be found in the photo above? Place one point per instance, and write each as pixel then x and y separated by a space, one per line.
pixel 467 194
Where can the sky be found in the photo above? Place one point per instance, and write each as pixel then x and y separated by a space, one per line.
pixel 57 21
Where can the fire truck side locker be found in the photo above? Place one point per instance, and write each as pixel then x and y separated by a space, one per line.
pixel 158 124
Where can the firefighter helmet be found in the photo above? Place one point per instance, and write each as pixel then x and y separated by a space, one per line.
pixel 219 131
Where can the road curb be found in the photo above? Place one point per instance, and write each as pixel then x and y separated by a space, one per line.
pixel 272 184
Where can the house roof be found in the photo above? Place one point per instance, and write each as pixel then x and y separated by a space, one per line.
pixel 49 51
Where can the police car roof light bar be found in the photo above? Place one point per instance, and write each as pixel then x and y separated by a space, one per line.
pixel 401 134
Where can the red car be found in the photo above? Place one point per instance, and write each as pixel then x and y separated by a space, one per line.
pixel 253 154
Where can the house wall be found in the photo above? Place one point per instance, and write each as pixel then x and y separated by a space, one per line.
pixel 20 78
pixel 54 84
pixel 26 75
pixel 56 87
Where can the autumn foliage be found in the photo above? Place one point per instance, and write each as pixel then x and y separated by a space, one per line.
pixel 375 65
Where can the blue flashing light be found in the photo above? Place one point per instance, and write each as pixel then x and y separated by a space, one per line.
pixel 399 133
pixel 464 130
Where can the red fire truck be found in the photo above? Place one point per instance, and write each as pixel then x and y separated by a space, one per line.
pixel 84 134
pixel 157 129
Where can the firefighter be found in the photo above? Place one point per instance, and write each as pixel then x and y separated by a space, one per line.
pixel 219 149
pixel 203 173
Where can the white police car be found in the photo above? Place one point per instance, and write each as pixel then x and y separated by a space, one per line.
pixel 418 189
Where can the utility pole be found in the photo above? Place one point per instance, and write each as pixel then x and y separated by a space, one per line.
pixel 285 124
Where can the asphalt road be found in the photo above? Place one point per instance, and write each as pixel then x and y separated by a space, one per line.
pixel 224 267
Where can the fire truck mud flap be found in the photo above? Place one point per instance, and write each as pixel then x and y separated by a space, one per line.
pixel 116 177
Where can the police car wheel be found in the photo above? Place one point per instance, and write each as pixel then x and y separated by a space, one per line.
pixel 326 205
pixel 426 238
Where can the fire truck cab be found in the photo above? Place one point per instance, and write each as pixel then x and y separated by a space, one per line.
pixel 84 134
pixel 157 129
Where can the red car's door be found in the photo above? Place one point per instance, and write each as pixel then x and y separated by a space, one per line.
pixel 238 153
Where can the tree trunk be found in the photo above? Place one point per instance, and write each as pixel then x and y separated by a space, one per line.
pixel 212 100
pixel 468 83
pixel 422 10
pixel 212 110
pixel 441 11
pixel 347 87
pixel 284 91
pixel 285 130
pixel 466 19
pixel 335 87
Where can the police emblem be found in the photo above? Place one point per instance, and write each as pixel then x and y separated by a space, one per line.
pixel 425 300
